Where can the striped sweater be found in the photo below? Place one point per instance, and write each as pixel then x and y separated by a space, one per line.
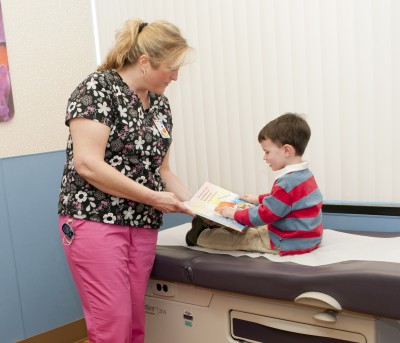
pixel 292 211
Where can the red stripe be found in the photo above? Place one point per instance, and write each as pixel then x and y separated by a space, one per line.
pixel 294 252
pixel 266 215
pixel 303 189
pixel 316 232
pixel 261 197
pixel 310 212
pixel 279 193
pixel 242 217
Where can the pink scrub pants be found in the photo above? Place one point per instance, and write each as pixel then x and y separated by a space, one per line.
pixel 111 266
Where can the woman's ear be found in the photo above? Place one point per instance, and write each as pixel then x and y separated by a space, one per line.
pixel 144 62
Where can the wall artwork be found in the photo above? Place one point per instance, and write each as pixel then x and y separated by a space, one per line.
pixel 6 100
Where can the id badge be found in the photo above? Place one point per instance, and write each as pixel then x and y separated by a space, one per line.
pixel 161 128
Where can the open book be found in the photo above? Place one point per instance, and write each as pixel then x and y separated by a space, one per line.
pixel 210 196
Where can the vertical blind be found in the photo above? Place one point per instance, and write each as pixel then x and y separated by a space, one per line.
pixel 335 61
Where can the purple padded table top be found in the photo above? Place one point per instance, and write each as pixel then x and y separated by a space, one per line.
pixel 359 286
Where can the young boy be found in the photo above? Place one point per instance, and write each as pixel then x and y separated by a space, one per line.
pixel 288 220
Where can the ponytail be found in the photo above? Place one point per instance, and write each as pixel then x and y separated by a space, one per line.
pixel 123 52
pixel 159 40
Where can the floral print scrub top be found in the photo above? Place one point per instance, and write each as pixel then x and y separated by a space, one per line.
pixel 135 147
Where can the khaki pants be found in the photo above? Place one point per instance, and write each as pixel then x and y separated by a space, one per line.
pixel 254 239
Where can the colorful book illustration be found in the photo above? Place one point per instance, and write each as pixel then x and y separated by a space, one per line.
pixel 207 199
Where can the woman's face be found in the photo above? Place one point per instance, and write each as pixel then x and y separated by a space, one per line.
pixel 159 78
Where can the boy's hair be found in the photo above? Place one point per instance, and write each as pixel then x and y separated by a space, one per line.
pixel 289 128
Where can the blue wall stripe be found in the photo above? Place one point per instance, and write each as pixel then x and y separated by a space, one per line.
pixel 11 320
pixel 47 293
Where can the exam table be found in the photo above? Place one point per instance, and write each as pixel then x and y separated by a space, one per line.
pixel 196 296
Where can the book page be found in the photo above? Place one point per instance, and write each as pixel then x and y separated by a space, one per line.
pixel 210 196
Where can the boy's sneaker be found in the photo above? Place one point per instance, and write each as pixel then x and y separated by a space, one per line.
pixel 198 225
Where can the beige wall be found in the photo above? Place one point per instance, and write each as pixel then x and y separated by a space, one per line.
pixel 50 48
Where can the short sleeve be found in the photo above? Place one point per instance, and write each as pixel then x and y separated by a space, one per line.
pixel 92 99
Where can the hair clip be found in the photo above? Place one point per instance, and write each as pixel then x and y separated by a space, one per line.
pixel 141 26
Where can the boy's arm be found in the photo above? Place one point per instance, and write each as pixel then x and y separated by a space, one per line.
pixel 273 207
pixel 229 212
pixel 252 199
pixel 261 197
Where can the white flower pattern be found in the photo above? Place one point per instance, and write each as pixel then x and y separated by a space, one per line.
pixel 129 149
pixel 91 84
pixel 103 108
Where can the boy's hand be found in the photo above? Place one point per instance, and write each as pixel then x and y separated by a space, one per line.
pixel 226 211
pixel 251 198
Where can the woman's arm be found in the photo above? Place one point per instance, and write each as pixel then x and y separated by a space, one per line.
pixel 173 183
pixel 89 144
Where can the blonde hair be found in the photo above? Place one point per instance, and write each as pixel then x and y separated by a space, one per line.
pixel 161 41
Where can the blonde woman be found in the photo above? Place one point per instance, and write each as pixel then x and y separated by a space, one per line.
pixel 117 181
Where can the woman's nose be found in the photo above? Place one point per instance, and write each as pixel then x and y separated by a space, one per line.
pixel 174 75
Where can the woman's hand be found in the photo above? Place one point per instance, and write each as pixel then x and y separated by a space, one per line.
pixel 167 202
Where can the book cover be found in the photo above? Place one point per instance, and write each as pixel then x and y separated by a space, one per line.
pixel 209 197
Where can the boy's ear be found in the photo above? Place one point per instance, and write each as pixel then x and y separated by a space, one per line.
pixel 289 150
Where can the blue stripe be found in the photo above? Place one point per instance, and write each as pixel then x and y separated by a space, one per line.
pixel 254 217
pixel 308 201
pixel 294 243
pixel 275 205
pixel 291 180
pixel 298 224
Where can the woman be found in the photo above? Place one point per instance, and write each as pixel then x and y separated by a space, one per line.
pixel 117 182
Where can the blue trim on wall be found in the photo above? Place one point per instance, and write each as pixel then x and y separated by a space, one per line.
pixel 11 320
pixel 354 222
pixel 367 209
pixel 333 221
pixel 174 219
pixel 48 297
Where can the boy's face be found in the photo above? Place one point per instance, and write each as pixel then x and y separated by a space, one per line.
pixel 274 154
